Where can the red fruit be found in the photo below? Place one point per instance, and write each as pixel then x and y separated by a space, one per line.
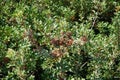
pixel 69 42
pixel 62 41
pixel 23 67
pixel 54 41
pixel 6 60
pixel 72 18
pixel 83 40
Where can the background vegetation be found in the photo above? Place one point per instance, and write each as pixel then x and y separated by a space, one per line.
pixel 59 39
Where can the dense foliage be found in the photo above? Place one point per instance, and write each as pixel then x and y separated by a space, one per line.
pixel 59 39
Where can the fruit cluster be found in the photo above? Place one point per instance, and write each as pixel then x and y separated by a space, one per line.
pixel 64 40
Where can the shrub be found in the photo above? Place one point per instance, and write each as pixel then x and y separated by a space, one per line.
pixel 57 40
